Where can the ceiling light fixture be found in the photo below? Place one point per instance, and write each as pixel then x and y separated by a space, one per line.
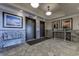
pixel 35 5
pixel 48 13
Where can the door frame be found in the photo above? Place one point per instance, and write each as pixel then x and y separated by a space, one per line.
pixel 26 18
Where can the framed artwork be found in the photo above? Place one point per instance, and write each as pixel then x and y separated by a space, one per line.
pixel 67 23
pixel 12 21
pixel 55 24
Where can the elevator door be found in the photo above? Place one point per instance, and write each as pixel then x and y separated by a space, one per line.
pixel 42 29
pixel 30 29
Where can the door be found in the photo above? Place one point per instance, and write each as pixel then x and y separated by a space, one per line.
pixel 42 29
pixel 30 29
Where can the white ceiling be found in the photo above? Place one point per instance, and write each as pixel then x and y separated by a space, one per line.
pixel 58 9
pixel 52 6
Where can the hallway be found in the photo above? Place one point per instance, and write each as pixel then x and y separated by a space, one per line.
pixel 56 47
pixel 25 30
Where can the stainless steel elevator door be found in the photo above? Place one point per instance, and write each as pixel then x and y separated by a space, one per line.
pixel 42 29
pixel 30 29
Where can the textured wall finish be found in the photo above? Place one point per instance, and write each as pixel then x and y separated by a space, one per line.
pixel 16 11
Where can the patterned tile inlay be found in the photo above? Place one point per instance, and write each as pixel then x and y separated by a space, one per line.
pixel 11 37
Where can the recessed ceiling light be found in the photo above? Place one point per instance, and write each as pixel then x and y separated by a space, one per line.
pixel 48 13
pixel 35 5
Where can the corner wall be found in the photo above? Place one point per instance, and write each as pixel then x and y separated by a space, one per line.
pixel 75 17
pixel 48 29
pixel 16 31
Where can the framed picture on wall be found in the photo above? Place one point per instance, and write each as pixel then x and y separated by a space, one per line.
pixel 67 23
pixel 12 21
pixel 55 24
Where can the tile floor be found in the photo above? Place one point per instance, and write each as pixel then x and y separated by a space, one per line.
pixel 56 47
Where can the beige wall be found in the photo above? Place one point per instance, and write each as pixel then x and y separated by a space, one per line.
pixel 48 29
pixel 48 25
pixel 19 12
pixel 38 27
pixel 75 18
pixel 75 21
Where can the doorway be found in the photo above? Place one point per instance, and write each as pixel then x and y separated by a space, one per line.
pixel 42 29
pixel 30 29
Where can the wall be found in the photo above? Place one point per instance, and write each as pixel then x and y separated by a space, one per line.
pixel 14 35
pixel 76 22
pixel 38 19
pixel 75 17
pixel 48 29
pixel 13 31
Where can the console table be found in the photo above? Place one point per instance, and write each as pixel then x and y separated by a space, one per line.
pixel 66 35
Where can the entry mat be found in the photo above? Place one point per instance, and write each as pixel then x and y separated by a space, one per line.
pixel 36 41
